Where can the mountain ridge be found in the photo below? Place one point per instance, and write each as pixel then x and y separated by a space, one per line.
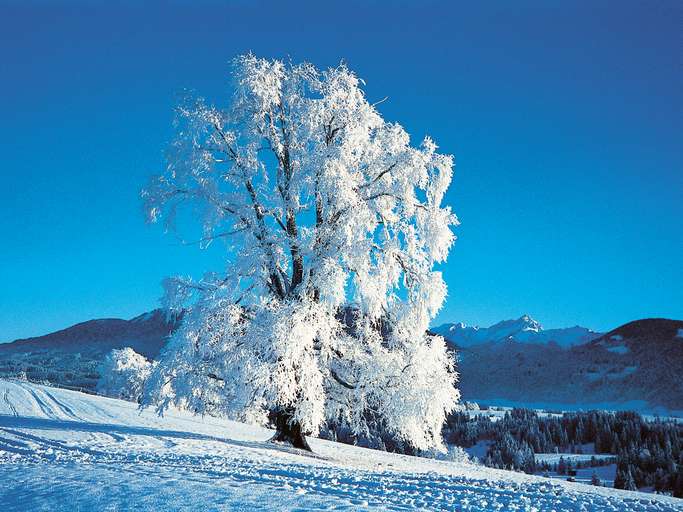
pixel 636 364
pixel 522 330
pixel 70 356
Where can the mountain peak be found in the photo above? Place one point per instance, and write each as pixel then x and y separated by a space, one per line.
pixel 522 330
pixel 529 323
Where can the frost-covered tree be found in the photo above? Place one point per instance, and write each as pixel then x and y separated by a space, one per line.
pixel 123 373
pixel 333 225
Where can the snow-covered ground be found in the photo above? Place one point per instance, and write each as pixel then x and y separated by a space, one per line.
pixel 497 407
pixel 554 458
pixel 497 412
pixel 606 475
pixel 63 450
pixel 605 471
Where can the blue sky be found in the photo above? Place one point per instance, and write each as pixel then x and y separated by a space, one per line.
pixel 564 117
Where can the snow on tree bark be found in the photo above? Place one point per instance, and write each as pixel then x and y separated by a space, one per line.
pixel 325 207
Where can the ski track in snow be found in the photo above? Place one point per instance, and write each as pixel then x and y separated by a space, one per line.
pixel 63 450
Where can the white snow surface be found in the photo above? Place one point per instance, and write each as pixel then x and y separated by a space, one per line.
pixel 554 458
pixel 64 450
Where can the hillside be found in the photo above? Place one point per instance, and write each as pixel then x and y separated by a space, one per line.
pixel 70 357
pixel 64 450
pixel 636 366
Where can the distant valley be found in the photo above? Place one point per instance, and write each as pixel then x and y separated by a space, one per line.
pixel 635 366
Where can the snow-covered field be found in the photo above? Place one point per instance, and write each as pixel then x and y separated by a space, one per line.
pixel 606 475
pixel 496 408
pixel 63 450
pixel 605 472
pixel 554 458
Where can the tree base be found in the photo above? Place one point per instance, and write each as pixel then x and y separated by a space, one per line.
pixel 289 432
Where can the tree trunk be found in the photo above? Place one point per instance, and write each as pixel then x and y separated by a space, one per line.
pixel 289 431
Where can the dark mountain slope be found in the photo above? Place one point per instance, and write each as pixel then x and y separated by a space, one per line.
pixel 70 357
pixel 637 365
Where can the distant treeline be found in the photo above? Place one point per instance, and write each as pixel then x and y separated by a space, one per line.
pixel 649 453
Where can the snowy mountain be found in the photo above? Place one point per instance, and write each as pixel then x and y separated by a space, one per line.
pixel 523 330
pixel 63 450
pixel 636 366
pixel 70 357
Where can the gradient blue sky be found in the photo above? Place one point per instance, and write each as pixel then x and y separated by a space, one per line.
pixel 565 119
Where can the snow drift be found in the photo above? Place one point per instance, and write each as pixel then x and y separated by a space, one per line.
pixel 64 450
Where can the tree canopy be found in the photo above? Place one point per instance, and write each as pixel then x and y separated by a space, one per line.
pixel 333 226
